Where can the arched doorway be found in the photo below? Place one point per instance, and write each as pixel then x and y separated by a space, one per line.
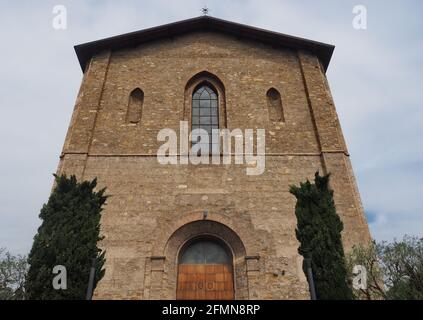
pixel 205 271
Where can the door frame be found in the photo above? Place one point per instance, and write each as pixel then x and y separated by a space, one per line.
pixel 205 237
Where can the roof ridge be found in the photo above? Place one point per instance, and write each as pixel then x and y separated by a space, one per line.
pixel 86 50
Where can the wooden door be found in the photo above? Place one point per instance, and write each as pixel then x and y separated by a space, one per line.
pixel 205 282
pixel 205 272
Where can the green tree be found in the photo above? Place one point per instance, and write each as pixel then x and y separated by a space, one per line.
pixel 394 270
pixel 368 256
pixel 319 233
pixel 68 236
pixel 402 264
pixel 13 270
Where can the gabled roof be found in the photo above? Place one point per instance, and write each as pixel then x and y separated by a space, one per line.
pixel 203 23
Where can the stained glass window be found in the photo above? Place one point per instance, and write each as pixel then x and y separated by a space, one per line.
pixel 205 116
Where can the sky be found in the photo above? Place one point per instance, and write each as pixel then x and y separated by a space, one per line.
pixel 375 78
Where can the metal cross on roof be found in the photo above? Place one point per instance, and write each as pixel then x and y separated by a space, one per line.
pixel 205 11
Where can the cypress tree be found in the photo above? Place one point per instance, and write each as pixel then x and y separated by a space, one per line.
pixel 319 233
pixel 68 236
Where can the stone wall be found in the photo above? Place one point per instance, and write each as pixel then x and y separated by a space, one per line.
pixel 154 208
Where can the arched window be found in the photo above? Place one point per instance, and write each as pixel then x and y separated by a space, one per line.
pixel 205 252
pixel 205 115
pixel 274 105
pixel 136 100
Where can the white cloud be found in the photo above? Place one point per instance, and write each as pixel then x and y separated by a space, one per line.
pixel 374 75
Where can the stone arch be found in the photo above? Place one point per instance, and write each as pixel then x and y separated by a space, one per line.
pixel 200 228
pixel 214 82
pixel 167 230
pixel 164 267
pixel 212 229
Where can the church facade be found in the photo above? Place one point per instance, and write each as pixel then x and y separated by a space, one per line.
pixel 206 231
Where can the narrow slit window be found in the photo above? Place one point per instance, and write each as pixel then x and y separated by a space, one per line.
pixel 136 100
pixel 274 105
